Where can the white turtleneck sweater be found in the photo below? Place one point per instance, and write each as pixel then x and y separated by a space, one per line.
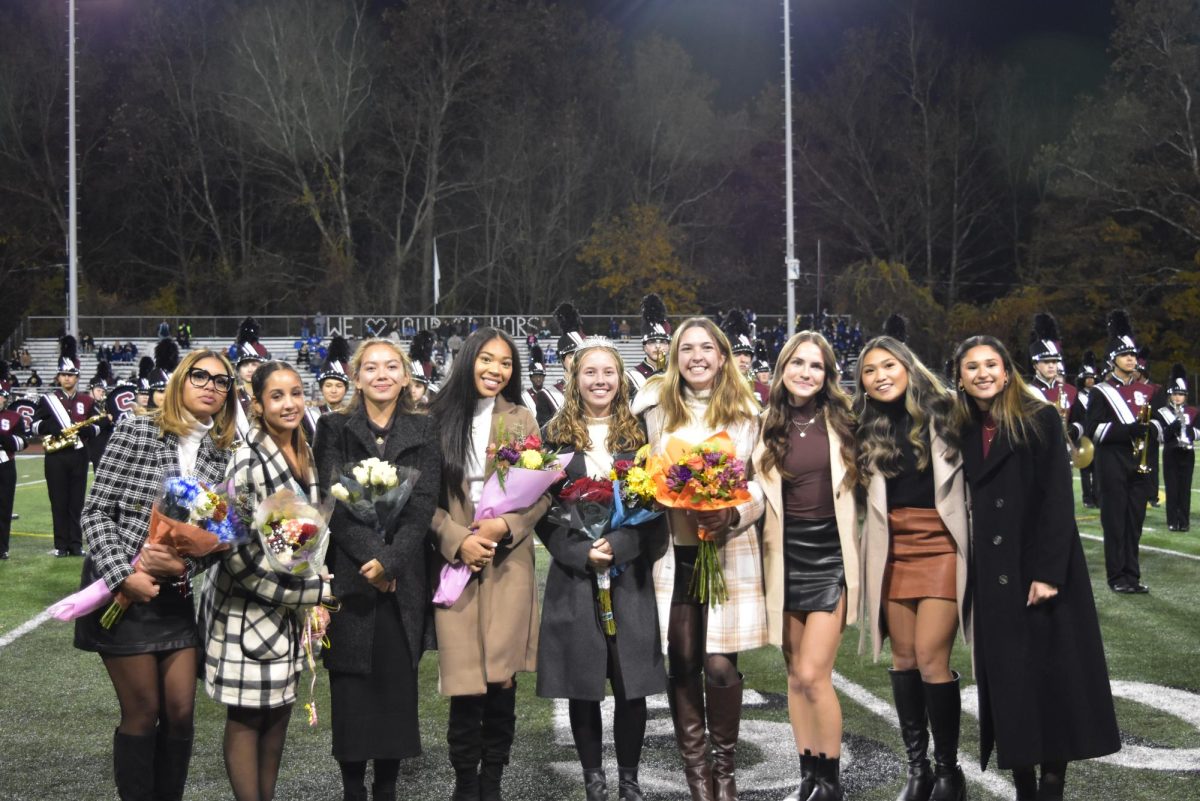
pixel 481 432
pixel 598 460
pixel 189 447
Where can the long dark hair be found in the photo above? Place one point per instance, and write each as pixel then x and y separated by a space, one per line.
pixel 258 385
pixel 453 407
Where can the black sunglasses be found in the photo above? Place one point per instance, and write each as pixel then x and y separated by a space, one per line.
pixel 200 379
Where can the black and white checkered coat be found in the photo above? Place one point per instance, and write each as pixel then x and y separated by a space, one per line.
pixel 249 614
pixel 116 516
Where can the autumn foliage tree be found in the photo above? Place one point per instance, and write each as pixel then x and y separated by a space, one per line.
pixel 634 254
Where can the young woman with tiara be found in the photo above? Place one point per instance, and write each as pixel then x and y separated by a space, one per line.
pixel 489 634
pixel 576 657
pixel 249 612
pixel 380 578
pixel 1044 696
pixel 805 465
pixel 701 395
pixel 914 553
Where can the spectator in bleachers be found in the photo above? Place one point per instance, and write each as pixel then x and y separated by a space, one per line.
pixel 304 355
pixel 319 324
pixel 89 344
pixel 183 335
pixel 455 343
pixel 25 359
pixel 34 379
pixel 305 327
pixel 623 329
pixel 164 330
pixel 130 351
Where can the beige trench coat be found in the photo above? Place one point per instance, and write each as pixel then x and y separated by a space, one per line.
pixel 491 633
pixel 950 500
pixel 845 509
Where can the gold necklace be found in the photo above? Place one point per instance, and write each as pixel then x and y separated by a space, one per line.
pixel 803 427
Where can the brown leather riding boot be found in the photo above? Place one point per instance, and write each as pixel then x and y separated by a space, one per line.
pixel 686 698
pixel 724 720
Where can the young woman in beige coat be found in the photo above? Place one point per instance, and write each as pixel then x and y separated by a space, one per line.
pixel 914 552
pixel 490 634
pixel 805 464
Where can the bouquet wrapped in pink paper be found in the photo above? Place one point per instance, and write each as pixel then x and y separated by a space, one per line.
pixel 522 472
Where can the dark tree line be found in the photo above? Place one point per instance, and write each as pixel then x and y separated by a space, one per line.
pixel 283 155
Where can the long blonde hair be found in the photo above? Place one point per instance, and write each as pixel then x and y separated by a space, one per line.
pixel 1013 407
pixel 173 418
pixel 832 398
pixel 569 425
pixel 405 402
pixel 927 402
pixel 731 403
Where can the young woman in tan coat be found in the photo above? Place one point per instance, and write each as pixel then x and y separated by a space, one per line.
pixel 490 633
pixel 804 462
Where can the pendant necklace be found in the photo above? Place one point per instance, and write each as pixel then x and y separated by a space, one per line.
pixel 803 427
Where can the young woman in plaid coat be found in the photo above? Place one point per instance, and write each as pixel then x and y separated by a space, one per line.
pixel 701 395
pixel 151 653
pixel 253 657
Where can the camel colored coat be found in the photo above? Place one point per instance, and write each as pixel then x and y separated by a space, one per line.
pixel 491 633
pixel 950 500
pixel 845 509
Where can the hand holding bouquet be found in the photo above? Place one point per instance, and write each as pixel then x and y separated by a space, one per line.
pixel 702 478
pixel 294 534
pixel 586 505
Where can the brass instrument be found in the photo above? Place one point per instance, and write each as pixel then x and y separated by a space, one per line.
pixel 660 364
pixel 1141 445
pixel 1083 452
pixel 69 436
pixel 1185 434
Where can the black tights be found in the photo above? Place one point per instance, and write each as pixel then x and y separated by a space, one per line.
pixel 686 631
pixel 354 774
pixel 1054 780
pixel 254 740
pixel 155 691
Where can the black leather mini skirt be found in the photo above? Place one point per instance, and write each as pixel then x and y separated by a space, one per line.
pixel 814 576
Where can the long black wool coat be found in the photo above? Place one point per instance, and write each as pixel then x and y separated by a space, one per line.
pixel 345 439
pixel 572 649
pixel 1044 694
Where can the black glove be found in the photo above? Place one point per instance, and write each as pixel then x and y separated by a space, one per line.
pixel 7 442
pixel 87 432
pixel 1138 430
pixel 1176 427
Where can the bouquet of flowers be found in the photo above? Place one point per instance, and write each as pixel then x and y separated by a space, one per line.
pixel 193 519
pixel 374 492
pixel 702 478
pixel 634 491
pixel 294 534
pixel 521 472
pixel 586 505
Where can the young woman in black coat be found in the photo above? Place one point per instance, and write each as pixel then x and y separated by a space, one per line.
pixel 576 658
pixel 1044 696
pixel 378 636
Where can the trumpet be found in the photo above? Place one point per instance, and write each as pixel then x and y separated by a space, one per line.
pixel 660 364
pixel 1185 434
pixel 69 436
pixel 1141 445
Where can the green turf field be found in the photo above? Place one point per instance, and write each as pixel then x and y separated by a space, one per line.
pixel 57 709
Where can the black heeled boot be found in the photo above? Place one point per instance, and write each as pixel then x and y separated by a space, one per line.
pixel 133 766
pixel 828 780
pixel 595 785
pixel 465 740
pixel 808 777
pixel 909 695
pixel 499 728
pixel 628 788
pixel 944 703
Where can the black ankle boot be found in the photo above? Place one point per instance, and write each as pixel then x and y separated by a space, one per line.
pixel 464 737
pixel 828 780
pixel 808 777
pixel 909 695
pixel 944 703
pixel 595 785
pixel 499 728
pixel 133 766
pixel 628 788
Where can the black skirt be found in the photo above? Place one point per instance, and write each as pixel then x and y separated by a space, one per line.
pixel 165 623
pixel 374 715
pixel 814 576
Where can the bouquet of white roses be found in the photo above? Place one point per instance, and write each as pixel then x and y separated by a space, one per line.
pixel 375 491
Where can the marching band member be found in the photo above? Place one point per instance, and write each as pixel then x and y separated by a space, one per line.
pixel 333 383
pixel 1045 351
pixel 571 326
pixel 1044 697
pixel 13 436
pixel 420 354
pixel 249 353
pixel 761 369
pixel 656 340
pixel 1158 397
pixel 914 545
pixel 98 389
pixel 419 390
pixel 1177 425
pixel 1117 424
pixel 67 469
pixel 1085 381
pixel 543 401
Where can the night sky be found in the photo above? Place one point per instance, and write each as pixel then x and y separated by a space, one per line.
pixel 739 42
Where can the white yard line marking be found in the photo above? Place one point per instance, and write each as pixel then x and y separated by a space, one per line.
pixel 1150 548
pixel 31 483
pixel 25 628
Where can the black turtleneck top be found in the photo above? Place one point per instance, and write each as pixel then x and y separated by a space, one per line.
pixel 910 488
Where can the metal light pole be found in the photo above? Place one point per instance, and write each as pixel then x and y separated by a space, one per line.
pixel 791 263
pixel 72 252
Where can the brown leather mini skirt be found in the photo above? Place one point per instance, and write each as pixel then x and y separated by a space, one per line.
pixel 921 556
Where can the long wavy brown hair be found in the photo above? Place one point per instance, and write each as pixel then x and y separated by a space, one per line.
pixel 1013 407
pixel 928 404
pixel 569 425
pixel 731 403
pixel 839 416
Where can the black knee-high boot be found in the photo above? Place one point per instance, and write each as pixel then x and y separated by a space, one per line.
pixel 133 766
pixel 944 703
pixel 499 728
pixel 171 767
pixel 464 737
pixel 909 695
